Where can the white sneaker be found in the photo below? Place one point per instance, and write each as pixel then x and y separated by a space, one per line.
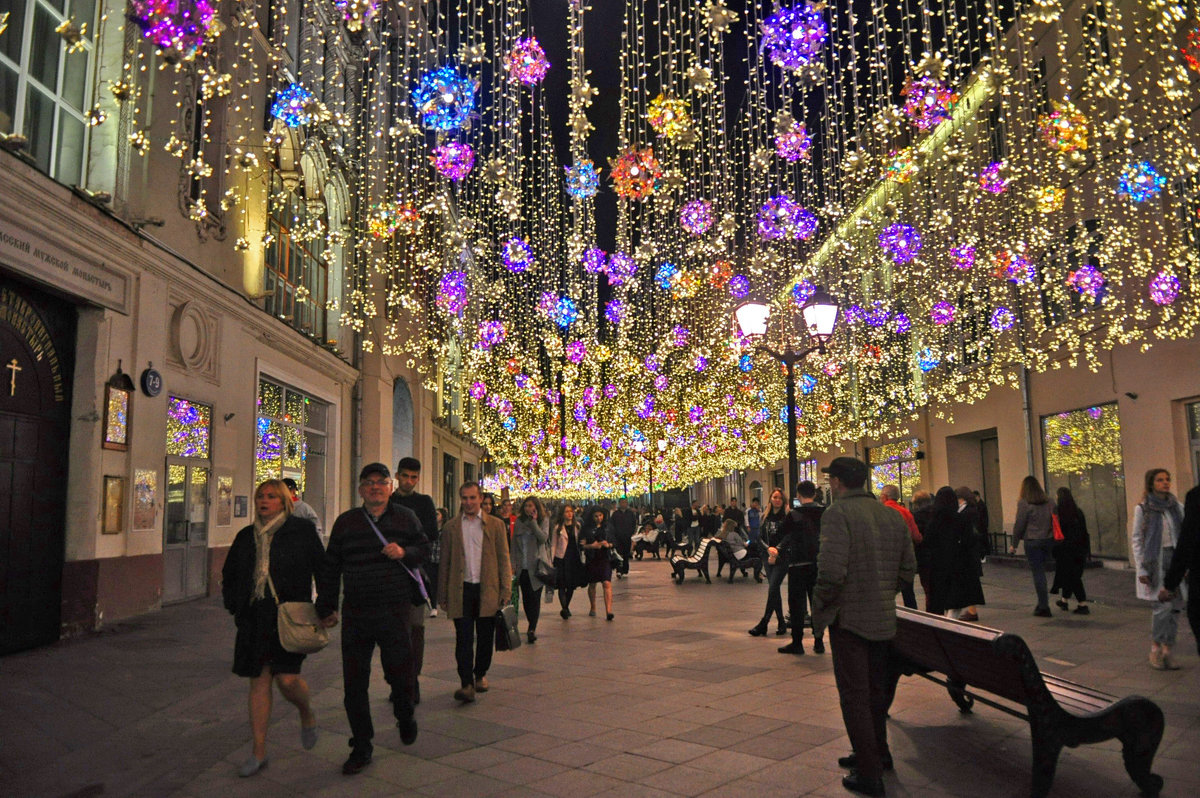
pixel 433 613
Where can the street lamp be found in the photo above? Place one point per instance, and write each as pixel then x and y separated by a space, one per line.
pixel 820 314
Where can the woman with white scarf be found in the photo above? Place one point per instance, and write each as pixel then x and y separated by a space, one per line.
pixel 275 559
pixel 1157 521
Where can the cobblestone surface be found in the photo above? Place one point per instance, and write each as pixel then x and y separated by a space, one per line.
pixel 672 698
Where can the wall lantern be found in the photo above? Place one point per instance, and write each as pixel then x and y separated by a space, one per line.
pixel 118 393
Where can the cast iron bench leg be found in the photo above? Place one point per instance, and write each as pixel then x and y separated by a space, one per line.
pixel 1140 729
pixel 959 696
pixel 1046 747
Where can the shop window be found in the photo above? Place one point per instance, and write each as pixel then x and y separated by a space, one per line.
pixel 45 88
pixel 297 273
pixel 897 464
pixel 1082 451
pixel 189 428
pixel 290 439
pixel 1193 417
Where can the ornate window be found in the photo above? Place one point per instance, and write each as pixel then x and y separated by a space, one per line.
pixel 297 269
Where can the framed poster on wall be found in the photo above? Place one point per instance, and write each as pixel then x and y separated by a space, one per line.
pixel 145 499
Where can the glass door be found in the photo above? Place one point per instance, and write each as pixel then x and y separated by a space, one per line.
pixel 185 535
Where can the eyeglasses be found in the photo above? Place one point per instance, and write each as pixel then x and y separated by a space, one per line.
pixel 375 483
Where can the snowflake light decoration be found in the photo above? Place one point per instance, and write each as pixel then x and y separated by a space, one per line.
pixel 901 242
pixel 1087 280
pixel 1164 288
pixel 780 216
pixel 807 384
pixel 583 181
pixel 942 313
pixel 1065 129
pixel 565 312
pixel 527 62
pixel 679 335
pixel 452 293
pixel 293 105
pixel 453 160
pixel 635 172
pixel 696 217
pixel 181 26
pixel 901 165
pixel 478 390
pixel 444 99
pixel 666 274
pixel 684 286
pixel 745 364
pixel 792 38
pixel 739 286
pixel 1014 267
pixel 594 260
pixel 802 292
pixel 991 180
pixel 1140 181
pixel 928 101
pixel 517 255
pixel 669 116
pixel 614 311
pixel 1002 319
pixel 927 360
pixel 1050 199
pixel 793 143
pixel 491 333
pixel 963 255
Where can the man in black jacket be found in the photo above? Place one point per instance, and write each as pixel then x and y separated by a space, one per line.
pixel 798 546
pixel 1187 562
pixel 408 474
pixel 624 523
pixel 377 607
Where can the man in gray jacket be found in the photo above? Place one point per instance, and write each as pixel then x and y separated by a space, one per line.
pixel 866 554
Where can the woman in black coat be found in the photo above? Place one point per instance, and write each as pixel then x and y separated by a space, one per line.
pixel 1071 553
pixel 596 542
pixel 941 547
pixel 285 551
pixel 568 558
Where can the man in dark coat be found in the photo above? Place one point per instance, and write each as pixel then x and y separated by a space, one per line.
pixel 799 543
pixel 408 474
pixel 377 607
pixel 623 523
pixel 1187 561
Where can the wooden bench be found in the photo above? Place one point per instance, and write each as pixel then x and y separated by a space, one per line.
pixel 697 560
pixel 725 557
pixel 976 660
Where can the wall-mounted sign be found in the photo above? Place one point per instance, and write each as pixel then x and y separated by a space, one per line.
pixel 152 382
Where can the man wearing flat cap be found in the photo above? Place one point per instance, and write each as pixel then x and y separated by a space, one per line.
pixel 866 555
pixel 375 549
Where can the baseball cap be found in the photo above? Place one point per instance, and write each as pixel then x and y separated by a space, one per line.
pixel 374 468
pixel 849 470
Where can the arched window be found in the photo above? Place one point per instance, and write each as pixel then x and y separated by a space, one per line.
pixel 402 420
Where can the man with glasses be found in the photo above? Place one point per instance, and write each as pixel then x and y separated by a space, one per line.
pixel 374 549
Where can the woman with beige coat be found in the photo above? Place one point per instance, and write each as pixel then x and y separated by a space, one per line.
pixel 474 582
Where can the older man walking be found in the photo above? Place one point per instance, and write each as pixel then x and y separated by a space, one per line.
pixel 866 556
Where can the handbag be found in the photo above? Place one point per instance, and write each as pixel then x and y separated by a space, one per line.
pixel 1058 533
pixel 546 574
pixel 300 630
pixel 507 636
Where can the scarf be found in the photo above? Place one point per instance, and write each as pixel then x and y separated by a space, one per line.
pixel 1153 509
pixel 264 533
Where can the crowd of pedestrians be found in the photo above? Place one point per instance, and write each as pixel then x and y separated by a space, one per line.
pixel 396 560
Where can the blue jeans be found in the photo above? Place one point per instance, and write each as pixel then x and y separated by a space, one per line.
pixel 1037 551
pixel 775 576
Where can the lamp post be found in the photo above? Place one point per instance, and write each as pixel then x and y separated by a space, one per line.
pixel 820 314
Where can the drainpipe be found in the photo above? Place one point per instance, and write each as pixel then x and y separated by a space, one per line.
pixel 1027 418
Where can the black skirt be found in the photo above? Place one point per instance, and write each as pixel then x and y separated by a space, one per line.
pixel 257 644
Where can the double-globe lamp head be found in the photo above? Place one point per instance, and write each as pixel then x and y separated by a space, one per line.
pixel 820 314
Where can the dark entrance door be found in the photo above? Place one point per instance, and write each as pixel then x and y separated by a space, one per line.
pixel 37 336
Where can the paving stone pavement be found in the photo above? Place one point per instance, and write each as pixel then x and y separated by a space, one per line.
pixel 672 698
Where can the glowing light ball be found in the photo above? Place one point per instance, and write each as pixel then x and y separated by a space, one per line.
pixel 382 223
pixel 696 414
pixel 407 220
pixel 1002 319
pixel 901 242
pixel 635 172
pixel 1140 182
pixel 621 268
pixel 877 316
pixel 700 363
pixel 512 366
pixel 684 286
pixel 614 311
pixel 527 62
pixel 547 302
pixel 610 391
pixel 1164 288
pixel 942 313
pixel 594 260
pixel 739 286
pixel 478 390
pixel 357 13
pixel 491 333
pixel 452 293
pixel 1014 267
pixel 665 275
pixel 444 99
pixel 453 160
pixel 668 116
pixel 901 323
pixel 792 38
pixel 660 384
pixel 1087 280
pixel 651 363
pixel 603 353
pixel 719 273
pixel 517 255
pixel 781 216
pixel 580 412
pixel 509 423
pixel 963 255
pixel 679 335
pixel 793 144
pixel 1095 413
pixel 179 25
pixel 901 165
pixel 565 312
pixel 583 181
pixel 576 351
pixel 807 383
pixel 745 363
pixel 802 292
pixel 991 180
pixel 1050 199
pixel 293 105
pixel 1064 129
pixel 696 217
pixel 1191 50
pixel 927 360
pixel 928 102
